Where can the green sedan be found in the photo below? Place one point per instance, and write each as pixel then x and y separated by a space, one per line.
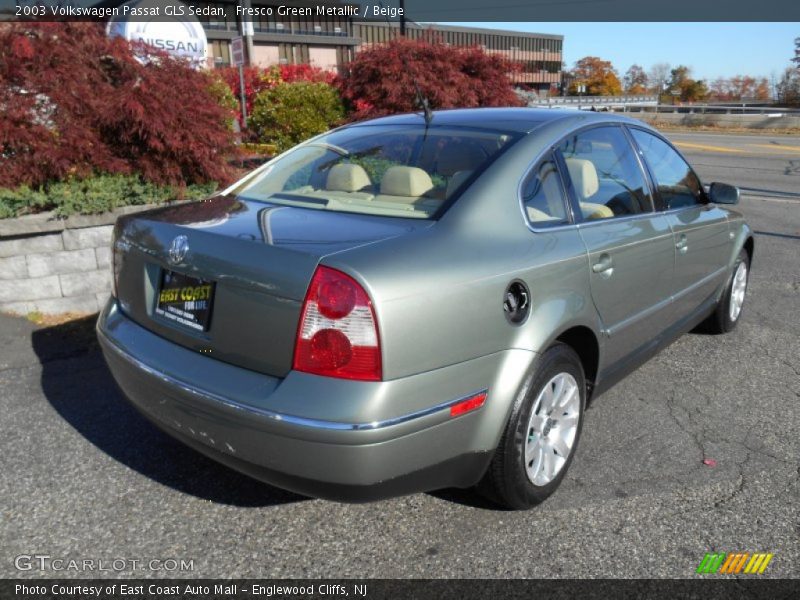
pixel 412 303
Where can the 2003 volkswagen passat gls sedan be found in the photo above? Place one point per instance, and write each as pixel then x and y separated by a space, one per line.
pixel 407 304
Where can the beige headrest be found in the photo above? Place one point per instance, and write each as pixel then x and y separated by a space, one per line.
pixel 405 181
pixel 584 177
pixel 346 177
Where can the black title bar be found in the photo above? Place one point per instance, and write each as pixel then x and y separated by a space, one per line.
pixel 705 588
pixel 423 11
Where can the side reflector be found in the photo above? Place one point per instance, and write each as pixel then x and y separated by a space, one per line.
pixel 468 404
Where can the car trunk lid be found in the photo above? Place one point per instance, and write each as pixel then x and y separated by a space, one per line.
pixel 258 257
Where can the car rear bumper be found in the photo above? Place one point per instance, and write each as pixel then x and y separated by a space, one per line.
pixel 319 436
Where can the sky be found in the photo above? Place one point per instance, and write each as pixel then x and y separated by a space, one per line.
pixel 711 49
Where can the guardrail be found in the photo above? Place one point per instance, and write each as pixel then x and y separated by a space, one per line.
pixel 575 101
pixel 590 103
pixel 646 103
pixel 710 109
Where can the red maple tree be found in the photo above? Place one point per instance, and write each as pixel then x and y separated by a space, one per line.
pixel 74 102
pixel 381 79
pixel 305 72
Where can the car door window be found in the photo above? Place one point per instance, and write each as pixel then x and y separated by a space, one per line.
pixel 543 196
pixel 677 184
pixel 606 174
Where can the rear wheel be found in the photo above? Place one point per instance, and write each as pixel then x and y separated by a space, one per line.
pixel 729 309
pixel 542 433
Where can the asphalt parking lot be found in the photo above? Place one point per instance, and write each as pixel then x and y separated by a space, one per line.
pixel 85 477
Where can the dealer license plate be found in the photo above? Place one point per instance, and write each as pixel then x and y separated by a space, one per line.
pixel 185 300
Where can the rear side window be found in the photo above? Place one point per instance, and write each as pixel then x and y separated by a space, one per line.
pixel 677 184
pixel 605 173
pixel 543 196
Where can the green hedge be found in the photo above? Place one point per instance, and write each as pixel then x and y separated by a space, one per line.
pixel 290 113
pixel 94 195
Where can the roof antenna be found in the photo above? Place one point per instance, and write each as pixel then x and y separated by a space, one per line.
pixel 424 104
pixel 420 98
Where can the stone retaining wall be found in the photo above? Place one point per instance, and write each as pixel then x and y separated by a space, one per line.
pixel 53 266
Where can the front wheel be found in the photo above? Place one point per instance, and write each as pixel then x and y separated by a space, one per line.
pixel 542 433
pixel 729 309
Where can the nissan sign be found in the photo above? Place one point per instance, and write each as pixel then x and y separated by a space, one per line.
pixel 181 35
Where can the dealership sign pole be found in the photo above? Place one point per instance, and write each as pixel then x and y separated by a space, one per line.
pixel 237 58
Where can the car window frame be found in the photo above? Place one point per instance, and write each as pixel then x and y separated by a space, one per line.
pixel 662 206
pixel 576 216
pixel 531 171
pixel 643 169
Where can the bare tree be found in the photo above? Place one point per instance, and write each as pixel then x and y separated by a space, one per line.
pixel 659 76
pixel 788 88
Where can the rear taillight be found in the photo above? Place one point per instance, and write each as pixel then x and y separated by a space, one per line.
pixel 338 332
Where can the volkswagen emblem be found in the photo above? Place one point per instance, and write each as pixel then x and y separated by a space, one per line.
pixel 178 249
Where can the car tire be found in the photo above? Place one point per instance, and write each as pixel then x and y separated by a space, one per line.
pixel 728 312
pixel 542 433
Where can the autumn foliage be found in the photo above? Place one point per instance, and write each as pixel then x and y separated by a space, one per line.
pixel 306 73
pixel 597 75
pixel 257 79
pixel 738 87
pixel 381 79
pixel 74 102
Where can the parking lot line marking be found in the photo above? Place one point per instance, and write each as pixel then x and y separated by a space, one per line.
pixel 710 148
pixel 778 147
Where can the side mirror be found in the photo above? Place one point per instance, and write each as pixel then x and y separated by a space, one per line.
pixel 722 193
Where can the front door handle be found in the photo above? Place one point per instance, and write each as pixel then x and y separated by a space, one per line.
pixel 682 244
pixel 604 265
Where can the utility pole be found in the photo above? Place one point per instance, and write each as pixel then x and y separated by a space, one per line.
pixel 246 29
pixel 403 18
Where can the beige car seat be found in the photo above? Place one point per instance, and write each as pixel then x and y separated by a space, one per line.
pixel 586 183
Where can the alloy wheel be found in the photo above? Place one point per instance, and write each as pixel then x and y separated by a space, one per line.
pixel 552 429
pixel 738 288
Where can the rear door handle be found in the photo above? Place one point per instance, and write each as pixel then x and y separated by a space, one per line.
pixel 605 264
pixel 682 244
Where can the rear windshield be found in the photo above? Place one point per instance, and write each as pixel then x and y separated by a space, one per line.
pixel 399 170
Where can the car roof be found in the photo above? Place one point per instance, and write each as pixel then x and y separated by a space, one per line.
pixel 521 120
